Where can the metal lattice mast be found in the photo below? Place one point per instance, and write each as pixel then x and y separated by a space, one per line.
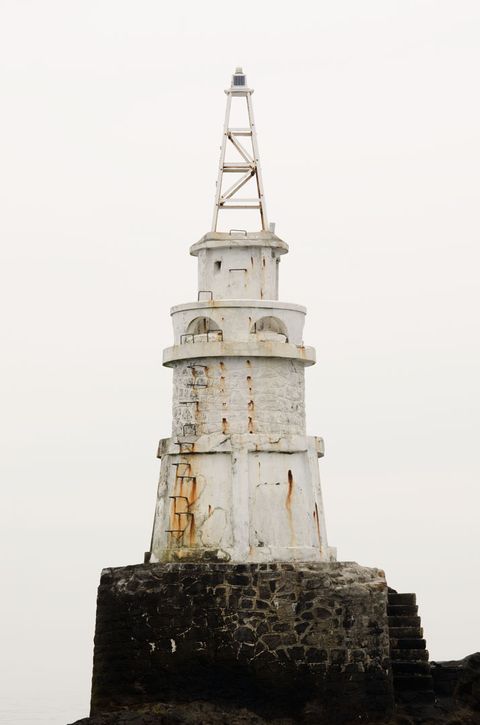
pixel 248 167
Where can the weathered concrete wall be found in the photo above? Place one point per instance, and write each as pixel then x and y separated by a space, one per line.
pixel 239 265
pixel 276 637
pixel 253 500
pixel 243 272
pixel 253 349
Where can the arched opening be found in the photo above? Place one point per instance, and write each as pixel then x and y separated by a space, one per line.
pixel 202 329
pixel 270 328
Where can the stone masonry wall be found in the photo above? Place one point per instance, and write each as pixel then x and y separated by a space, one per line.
pixel 239 395
pixel 281 638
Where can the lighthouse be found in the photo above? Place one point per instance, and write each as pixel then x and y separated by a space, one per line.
pixel 240 601
pixel 239 479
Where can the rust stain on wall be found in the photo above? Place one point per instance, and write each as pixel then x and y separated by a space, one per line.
pixel 288 505
pixel 288 501
pixel 172 522
pixel 191 533
pixel 192 494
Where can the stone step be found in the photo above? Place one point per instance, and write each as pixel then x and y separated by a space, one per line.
pixel 401 598
pixel 396 610
pixel 406 632
pixel 404 621
pixel 407 643
pixel 415 655
pixel 400 667
pixel 412 683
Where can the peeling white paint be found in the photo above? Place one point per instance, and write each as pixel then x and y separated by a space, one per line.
pixel 173 645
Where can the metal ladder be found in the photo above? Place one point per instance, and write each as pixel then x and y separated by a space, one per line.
pixel 183 476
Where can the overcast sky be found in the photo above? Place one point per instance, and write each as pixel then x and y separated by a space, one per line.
pixel 368 116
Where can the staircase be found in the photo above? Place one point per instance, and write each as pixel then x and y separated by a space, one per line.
pixel 412 680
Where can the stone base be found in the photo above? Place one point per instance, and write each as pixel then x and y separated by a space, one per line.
pixel 280 638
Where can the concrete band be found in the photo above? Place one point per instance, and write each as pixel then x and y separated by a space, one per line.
pixel 267 349
pixel 226 304
pixel 235 239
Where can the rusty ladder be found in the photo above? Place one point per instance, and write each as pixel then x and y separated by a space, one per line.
pixel 184 477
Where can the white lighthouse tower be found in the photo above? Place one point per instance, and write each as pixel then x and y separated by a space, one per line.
pixel 239 477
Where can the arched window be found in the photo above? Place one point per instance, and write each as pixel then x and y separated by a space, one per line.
pixel 202 329
pixel 270 328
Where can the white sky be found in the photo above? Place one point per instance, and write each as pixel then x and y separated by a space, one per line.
pixel 368 116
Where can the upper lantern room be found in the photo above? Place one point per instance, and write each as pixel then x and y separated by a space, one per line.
pixel 238 265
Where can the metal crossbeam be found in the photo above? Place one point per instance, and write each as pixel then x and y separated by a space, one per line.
pixel 248 164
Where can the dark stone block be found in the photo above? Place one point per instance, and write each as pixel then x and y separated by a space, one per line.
pixel 338 656
pixel 264 591
pixel 321 613
pixel 272 640
pixel 314 654
pixel 282 627
pixel 238 579
pixel 261 628
pixel 261 605
pixel 246 603
pixel 296 653
pixel 244 634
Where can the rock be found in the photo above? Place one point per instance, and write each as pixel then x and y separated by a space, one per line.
pixel 459 679
pixel 193 713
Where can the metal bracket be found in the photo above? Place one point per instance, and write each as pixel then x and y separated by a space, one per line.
pixel 204 292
